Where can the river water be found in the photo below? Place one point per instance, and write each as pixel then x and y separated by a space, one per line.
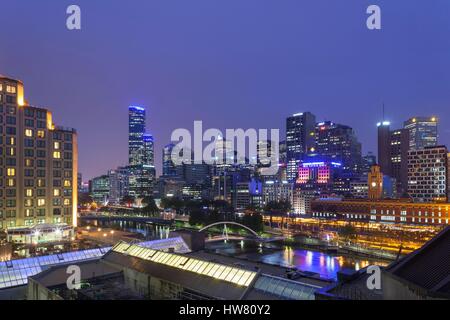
pixel 327 265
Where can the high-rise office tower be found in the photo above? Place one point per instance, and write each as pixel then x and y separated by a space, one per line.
pixel 428 174
pixel 398 159
pixel 100 189
pixel 38 163
pixel 118 184
pixel 136 131
pixel 225 156
pixel 141 169
pixel 169 168
pixel 148 149
pixel 393 146
pixel 141 180
pixel 384 147
pixel 300 138
pixel 423 132
pixel 337 142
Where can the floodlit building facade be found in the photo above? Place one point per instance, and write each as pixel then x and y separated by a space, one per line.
pixel 382 211
pixel 300 138
pixel 38 163
pixel 423 132
pixel 427 174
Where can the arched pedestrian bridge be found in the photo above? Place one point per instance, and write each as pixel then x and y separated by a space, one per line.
pixel 225 235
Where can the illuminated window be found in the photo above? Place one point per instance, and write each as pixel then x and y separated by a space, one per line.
pixel 11 172
pixel 10 89
pixel 41 183
pixel 56 192
pixel 41 134
pixel 11 182
pixel 67 183
pixel 28 202
pixel 12 141
pixel 28 162
pixel 56 145
pixel 41 202
pixel 11 151
pixel 214 270
pixel 28 132
pixel 67 202
pixel 29 192
pixel 57 155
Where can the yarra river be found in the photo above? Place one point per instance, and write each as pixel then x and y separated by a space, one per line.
pixel 327 265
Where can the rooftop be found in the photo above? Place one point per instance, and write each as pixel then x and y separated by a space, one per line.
pixel 15 273
pixel 427 267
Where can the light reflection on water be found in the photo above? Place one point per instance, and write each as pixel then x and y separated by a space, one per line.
pixel 147 231
pixel 327 265
pixel 319 262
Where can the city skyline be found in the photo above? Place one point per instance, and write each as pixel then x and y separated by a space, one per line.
pixel 210 151
pixel 186 69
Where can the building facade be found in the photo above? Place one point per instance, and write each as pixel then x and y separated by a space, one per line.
pixel 428 174
pixel 300 138
pixel 338 143
pixel 148 156
pixel 423 132
pixel 136 131
pixel 38 163
pixel 118 184
pixel 100 189
pixel 393 147
pixel 169 168
pixel 382 211
pixel 375 180
pixel 278 191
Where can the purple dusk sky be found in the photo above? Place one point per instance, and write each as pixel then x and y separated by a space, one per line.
pixel 232 64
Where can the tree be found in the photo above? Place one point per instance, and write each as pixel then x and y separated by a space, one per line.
pixel 280 208
pixel 150 206
pixel 196 217
pixel 254 221
pixel 172 203
pixel 84 199
pixel 348 232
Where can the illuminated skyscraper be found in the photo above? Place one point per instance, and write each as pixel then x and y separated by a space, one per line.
pixel 300 138
pixel 136 131
pixel 427 174
pixel 169 168
pixel 141 169
pixel 423 132
pixel 384 147
pixel 338 143
pixel 393 146
pixel 38 163
pixel 148 150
